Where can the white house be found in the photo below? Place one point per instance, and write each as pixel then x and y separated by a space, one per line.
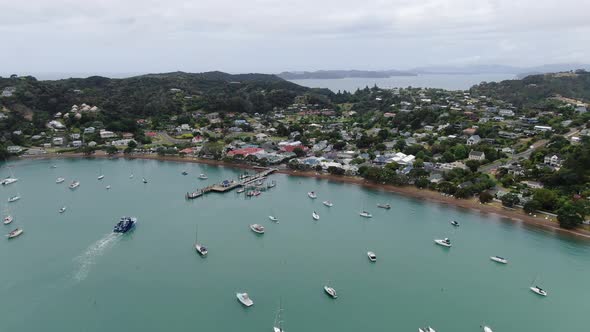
pixel 477 155
pixel 76 143
pixel 474 139
pixel 106 134
pixel 553 160
pixel 14 149
pixel 56 125
pixel 89 130
pixel 58 141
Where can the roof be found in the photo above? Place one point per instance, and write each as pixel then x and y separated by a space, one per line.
pixel 476 153
pixel 244 151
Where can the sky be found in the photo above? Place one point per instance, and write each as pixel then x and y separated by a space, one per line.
pixel 140 36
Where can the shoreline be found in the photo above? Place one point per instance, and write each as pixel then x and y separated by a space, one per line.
pixel 517 216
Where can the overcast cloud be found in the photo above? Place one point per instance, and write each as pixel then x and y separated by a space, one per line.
pixel 127 36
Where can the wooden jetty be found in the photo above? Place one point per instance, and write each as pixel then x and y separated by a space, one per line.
pixel 229 185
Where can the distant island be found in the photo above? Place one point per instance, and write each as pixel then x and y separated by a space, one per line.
pixel 339 74
pixel 519 72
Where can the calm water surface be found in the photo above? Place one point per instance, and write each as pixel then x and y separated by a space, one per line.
pixel 69 273
pixel 441 81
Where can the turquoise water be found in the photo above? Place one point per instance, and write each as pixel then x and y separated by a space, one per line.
pixel 68 272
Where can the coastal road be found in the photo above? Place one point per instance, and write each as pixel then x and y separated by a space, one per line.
pixel 525 154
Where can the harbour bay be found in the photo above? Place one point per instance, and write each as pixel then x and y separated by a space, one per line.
pixel 68 272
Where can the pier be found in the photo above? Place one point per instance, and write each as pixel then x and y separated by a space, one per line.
pixel 229 185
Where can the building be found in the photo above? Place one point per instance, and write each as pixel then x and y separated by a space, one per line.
pixel 474 139
pixel 89 130
pixel 477 155
pixel 54 124
pixel 553 160
pixel 76 144
pixel 245 152
pixel 106 134
pixel 542 128
pixel 58 141
pixel 505 112
pixel 14 149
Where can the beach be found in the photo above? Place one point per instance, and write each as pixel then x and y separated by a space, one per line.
pixel 494 208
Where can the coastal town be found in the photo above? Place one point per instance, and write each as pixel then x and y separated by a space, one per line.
pixel 462 144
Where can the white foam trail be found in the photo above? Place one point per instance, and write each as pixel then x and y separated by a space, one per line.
pixel 88 258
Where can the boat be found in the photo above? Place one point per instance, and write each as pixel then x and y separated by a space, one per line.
pixel 8 219
pixel 328 203
pixel 74 184
pixel 278 325
pixel 108 187
pixel 538 290
pixel 8 180
pixel 125 224
pixel 330 291
pixel 53 166
pixel 426 329
pixel 244 176
pixel 444 242
pixel 366 214
pixel 13 199
pixel 455 223
pixel 372 256
pixel 144 180
pixel 273 218
pixel 203 176
pixel 499 259
pixel 487 328
pixel 131 176
pixel 245 299
pixel 315 216
pixel 14 233
pixel 62 209
pixel 59 180
pixel 256 228
pixel 312 195
pixel 194 195
pixel 241 190
pixel 100 177
pixel 184 173
pixel 384 206
pixel 252 193
pixel 271 184
pixel 201 249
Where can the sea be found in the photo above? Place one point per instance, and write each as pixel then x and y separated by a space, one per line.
pixel 439 81
pixel 69 272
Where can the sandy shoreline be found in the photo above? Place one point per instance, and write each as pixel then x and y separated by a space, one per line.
pixel 408 191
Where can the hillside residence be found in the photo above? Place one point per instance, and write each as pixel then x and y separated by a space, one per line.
pixel 8 92
pixel 505 112
pixel 542 128
pixel 58 141
pixel 477 155
pixel 76 144
pixel 89 130
pixel 14 149
pixel 56 125
pixel 122 142
pixel 75 136
pixel 474 139
pixel 553 160
pixel 245 152
pixel 106 134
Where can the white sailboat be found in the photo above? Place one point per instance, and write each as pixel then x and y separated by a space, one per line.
pixel 315 216
pixel 62 209
pixel 59 180
pixel 536 289
pixel 245 299
pixel 100 175
pixel 330 291
pixel 273 218
pixel 328 203
pixel 426 329
pixel 8 218
pixel 14 198
pixel 278 325
pixel 365 214
pixel 486 328
pixel 14 233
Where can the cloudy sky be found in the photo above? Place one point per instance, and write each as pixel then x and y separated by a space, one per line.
pixel 132 36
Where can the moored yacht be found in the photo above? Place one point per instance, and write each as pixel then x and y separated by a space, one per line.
pixel 125 224
pixel 241 190
pixel 330 291
pixel 13 198
pixel 74 184
pixel 444 242
pixel 8 180
pixel 14 233
pixel 8 219
pixel 426 329
pixel 328 203
pixel 384 206
pixel 372 256
pixel 315 216
pixel 455 223
pixel 184 173
pixel 538 290
pixel 487 329
pixel 100 177
pixel 203 176
pixel 59 180
pixel 245 299
pixel 108 187
pixel 273 218
pixel 365 214
pixel 62 209
pixel 144 180
pixel 201 249
pixel 312 195
pixel 256 228
pixel 499 259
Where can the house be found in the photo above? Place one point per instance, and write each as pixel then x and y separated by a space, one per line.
pixel 474 139
pixel 56 125
pixel 14 149
pixel 106 134
pixel 553 160
pixel 58 141
pixel 542 128
pixel 261 136
pixel 245 152
pixel 506 112
pixel 477 155
pixel 122 142
pixel 8 91
pixel 75 136
pixel 89 130
pixel 533 184
pixel 76 144
pixel 435 178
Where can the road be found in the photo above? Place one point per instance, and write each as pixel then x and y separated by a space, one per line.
pixel 525 154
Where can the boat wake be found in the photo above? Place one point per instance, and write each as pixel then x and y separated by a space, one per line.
pixel 89 257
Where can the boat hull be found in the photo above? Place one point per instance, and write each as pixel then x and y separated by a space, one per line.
pixel 246 301
pixel 442 243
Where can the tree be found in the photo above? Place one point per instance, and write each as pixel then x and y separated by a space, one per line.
pixel 132 144
pixel 336 170
pixel 531 206
pixel 421 182
pixel 111 150
pixel 485 197
pixel 299 152
pixel 568 216
pixel 510 200
pixel 472 164
pixel 547 198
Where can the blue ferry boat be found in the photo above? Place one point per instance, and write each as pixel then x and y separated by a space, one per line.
pixel 125 224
